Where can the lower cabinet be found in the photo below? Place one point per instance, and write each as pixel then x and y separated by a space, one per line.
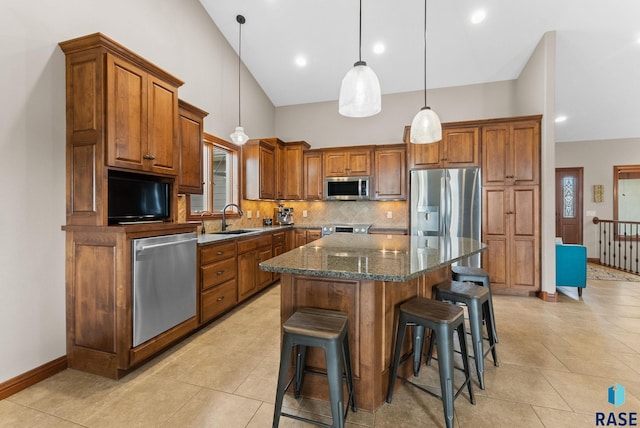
pixel 251 252
pixel 304 236
pixel 279 246
pixel 218 280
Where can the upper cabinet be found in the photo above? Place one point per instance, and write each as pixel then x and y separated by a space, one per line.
pixel 313 180
pixel 273 169
pixel 511 153
pixel 122 113
pixel 390 173
pixel 347 162
pixel 458 148
pixel 190 139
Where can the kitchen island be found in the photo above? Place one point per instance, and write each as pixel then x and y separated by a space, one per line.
pixel 367 277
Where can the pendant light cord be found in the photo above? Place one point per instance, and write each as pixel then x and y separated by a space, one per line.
pixel 360 35
pixel 425 53
pixel 239 65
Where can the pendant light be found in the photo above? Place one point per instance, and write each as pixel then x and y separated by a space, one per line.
pixel 426 127
pixel 360 89
pixel 239 137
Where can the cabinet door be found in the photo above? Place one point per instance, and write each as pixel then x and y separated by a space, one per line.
pixel 525 153
pixel 335 164
pixel 426 155
pixel 495 233
pixel 162 130
pixel 299 237
pixel 313 178
pixel 313 234
pixel 190 141
pixel 126 114
pixel 247 270
pixel 461 147
pixel 264 278
pixel 524 220
pixel 389 176
pixel 281 172
pixel 292 172
pixel 495 154
pixel 359 162
pixel 267 173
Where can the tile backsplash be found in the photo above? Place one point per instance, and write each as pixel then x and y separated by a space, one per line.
pixel 318 213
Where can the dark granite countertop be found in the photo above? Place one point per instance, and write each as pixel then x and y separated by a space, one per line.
pixel 377 257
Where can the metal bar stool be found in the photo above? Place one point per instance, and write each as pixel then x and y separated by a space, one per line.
pixel 480 277
pixel 443 319
pixel 477 301
pixel 324 329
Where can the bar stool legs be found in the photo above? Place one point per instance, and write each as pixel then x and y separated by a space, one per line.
pixel 322 329
pixel 442 319
pixel 480 277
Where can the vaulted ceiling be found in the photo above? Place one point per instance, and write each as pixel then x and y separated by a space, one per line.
pixel 598 50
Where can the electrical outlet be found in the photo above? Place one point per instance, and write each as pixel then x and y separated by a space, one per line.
pixel 304 213
pixel 248 213
pixel 258 214
pixel 389 214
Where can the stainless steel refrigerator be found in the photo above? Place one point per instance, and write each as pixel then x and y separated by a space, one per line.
pixel 447 202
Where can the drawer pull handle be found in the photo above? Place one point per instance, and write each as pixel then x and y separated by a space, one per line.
pixel 220 299
pixel 220 272
pixel 219 253
pixel 150 157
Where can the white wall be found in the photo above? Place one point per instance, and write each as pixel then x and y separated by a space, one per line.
pixel 320 125
pixel 176 35
pixel 598 159
pixel 535 94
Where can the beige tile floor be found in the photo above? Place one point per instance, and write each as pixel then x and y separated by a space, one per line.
pixel 556 362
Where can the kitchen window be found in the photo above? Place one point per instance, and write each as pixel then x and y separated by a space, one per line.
pixel 220 173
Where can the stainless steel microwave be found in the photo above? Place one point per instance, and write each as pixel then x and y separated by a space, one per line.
pixel 346 188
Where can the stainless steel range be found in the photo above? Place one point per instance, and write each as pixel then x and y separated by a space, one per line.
pixel 345 228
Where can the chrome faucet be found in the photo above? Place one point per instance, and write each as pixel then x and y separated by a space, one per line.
pixel 202 213
pixel 224 214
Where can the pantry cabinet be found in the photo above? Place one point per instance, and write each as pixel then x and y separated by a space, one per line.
pixel 511 153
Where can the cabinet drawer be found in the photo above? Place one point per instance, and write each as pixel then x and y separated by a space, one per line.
pixel 217 300
pixel 253 243
pixel 278 238
pixel 217 272
pixel 217 252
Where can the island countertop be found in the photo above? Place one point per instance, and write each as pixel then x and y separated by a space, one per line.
pixel 375 257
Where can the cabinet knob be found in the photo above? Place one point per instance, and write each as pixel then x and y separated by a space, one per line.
pixel 219 253
pixel 150 157
pixel 220 299
pixel 220 272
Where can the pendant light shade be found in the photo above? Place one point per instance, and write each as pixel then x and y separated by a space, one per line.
pixel 425 127
pixel 238 136
pixel 360 90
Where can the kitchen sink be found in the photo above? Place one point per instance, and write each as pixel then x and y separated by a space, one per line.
pixel 234 232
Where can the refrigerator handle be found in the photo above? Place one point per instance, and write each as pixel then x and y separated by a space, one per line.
pixel 449 204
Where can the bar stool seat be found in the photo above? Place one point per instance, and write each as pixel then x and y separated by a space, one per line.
pixel 477 301
pixel 443 320
pixel 477 276
pixel 320 328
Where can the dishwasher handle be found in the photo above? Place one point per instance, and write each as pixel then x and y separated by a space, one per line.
pixel 164 244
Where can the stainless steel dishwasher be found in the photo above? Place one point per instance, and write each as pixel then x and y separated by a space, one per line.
pixel 164 283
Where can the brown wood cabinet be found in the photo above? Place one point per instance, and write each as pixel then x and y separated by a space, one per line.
pixel 279 246
pixel 291 166
pixel 390 173
pixel 511 153
pixel 511 204
pixel 458 148
pixel 122 112
pixel 218 291
pixel 347 162
pixel 99 302
pixel 190 139
pixel 313 177
pixel 304 236
pixel 251 252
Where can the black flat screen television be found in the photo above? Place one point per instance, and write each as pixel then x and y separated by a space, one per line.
pixel 136 198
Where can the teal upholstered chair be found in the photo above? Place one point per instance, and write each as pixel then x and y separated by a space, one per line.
pixel 571 266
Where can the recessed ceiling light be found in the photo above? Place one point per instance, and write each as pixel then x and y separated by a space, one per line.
pixel 378 48
pixel 561 119
pixel 301 61
pixel 478 16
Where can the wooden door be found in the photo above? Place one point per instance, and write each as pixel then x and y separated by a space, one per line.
pixel 313 178
pixel 335 164
pixel 292 171
pixel 460 147
pixel 359 163
pixel 495 154
pixel 247 270
pixel 524 218
pixel 390 174
pixel 126 114
pixel 264 278
pixel 426 155
pixel 190 141
pixel 495 233
pixel 524 162
pixel 569 204
pixel 299 237
pixel 162 129
pixel 281 171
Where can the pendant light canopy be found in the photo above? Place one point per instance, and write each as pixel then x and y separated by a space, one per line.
pixel 426 127
pixel 360 89
pixel 239 137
